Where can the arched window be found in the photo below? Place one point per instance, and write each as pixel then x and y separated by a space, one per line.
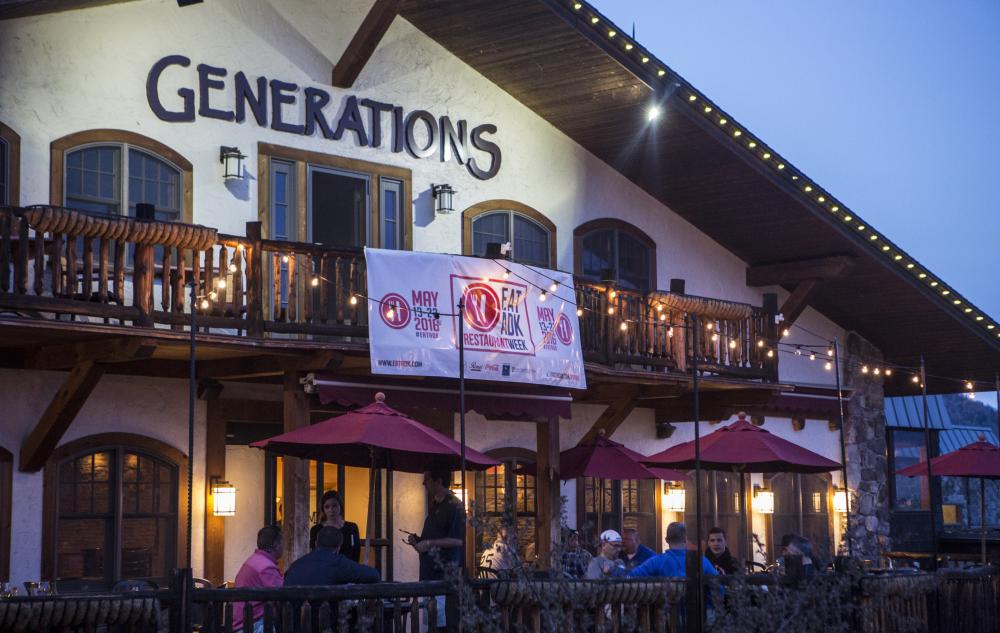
pixel 10 164
pixel 502 494
pixel 108 172
pixel 612 250
pixel 532 235
pixel 112 512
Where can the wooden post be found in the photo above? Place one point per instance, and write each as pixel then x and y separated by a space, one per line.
pixel 255 281
pixel 142 284
pixel 215 468
pixel 295 472
pixel 549 498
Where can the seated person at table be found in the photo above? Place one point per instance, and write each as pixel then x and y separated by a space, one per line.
pixel 325 565
pixel 800 546
pixel 673 561
pixel 718 554
pixel 259 571
pixel 332 515
pixel 634 553
pixel 607 563
pixel 575 559
pixel 502 556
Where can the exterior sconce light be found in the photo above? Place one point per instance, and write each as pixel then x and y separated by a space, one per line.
pixel 674 498
pixel 232 162
pixel 840 501
pixel 442 195
pixel 223 498
pixel 763 500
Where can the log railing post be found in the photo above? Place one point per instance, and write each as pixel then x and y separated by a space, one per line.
pixel 142 290
pixel 255 281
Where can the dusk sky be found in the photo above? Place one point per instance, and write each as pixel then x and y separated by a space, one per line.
pixel 892 106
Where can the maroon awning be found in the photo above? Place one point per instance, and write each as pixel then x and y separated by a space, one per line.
pixel 515 402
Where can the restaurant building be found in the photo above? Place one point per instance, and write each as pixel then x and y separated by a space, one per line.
pixel 254 147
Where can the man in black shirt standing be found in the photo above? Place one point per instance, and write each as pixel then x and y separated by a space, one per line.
pixel 441 541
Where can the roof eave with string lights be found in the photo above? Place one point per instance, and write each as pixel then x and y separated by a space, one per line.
pixel 745 141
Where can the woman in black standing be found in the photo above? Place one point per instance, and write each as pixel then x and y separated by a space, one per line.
pixel 332 511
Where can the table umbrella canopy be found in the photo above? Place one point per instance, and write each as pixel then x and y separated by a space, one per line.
pixel 375 436
pixel 606 459
pixel 979 459
pixel 743 446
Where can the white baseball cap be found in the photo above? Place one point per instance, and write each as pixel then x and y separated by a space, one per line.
pixel 610 536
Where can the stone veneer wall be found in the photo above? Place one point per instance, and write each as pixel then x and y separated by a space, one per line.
pixel 867 458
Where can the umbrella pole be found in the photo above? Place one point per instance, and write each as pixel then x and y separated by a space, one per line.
pixel 461 401
pixel 371 508
pixel 982 516
pixel 697 469
pixel 744 518
pixel 927 448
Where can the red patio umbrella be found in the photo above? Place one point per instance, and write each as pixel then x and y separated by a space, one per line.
pixel 744 448
pixel 376 436
pixel 979 459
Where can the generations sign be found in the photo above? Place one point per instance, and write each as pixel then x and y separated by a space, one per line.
pixel 311 110
pixel 510 333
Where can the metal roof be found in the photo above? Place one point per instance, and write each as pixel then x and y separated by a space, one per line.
pixel 906 412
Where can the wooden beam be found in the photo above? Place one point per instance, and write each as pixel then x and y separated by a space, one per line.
pixel 295 472
pixel 117 350
pixel 364 42
pixel 215 468
pixel 613 416
pixel 549 497
pixel 798 301
pixel 784 273
pixel 59 415
pixel 716 405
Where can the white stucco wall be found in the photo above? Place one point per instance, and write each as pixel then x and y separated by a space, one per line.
pixel 119 404
pixel 245 469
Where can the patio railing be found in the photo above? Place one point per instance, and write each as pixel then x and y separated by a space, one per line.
pixel 61 264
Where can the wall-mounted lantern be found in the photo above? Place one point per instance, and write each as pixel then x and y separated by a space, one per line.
pixel 763 500
pixel 232 162
pixel 674 498
pixel 223 498
pixel 442 195
pixel 840 501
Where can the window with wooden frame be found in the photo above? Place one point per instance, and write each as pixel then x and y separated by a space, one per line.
pixel 503 495
pixel 531 234
pixel 720 507
pixel 112 512
pixel 334 201
pixel 108 172
pixel 6 492
pixel 803 506
pixel 10 166
pixel 615 251
pixel 604 504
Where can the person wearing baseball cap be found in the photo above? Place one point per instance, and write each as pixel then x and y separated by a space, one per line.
pixel 607 563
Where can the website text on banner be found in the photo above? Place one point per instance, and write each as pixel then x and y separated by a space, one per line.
pixel 511 333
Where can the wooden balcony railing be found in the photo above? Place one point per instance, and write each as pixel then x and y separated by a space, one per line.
pixel 63 264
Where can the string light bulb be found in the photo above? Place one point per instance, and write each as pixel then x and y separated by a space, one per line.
pixel 213 295
pixel 232 268
pixel 553 287
pixel 284 259
pixel 220 283
pixel 785 332
pixel 888 372
pixel 663 317
pixel 315 282
pixel 969 385
pixel 542 296
pixel 864 369
pixel 877 371
pixel 709 326
pixel 732 344
pixel 916 379
pixel 611 311
pixel 354 300
pixel 812 356
pixel 579 312
pixel 715 337
pixel 770 353
pixel 506 274
pixel 828 366
pixel 204 304
pixel 760 343
pixel 612 294
pixel 829 351
pixel 670 331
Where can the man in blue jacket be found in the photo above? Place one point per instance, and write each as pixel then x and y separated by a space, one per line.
pixel 325 565
pixel 634 553
pixel 671 562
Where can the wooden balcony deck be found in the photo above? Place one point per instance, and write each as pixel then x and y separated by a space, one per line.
pixel 64 270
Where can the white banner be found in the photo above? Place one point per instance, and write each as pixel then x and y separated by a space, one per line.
pixel 511 333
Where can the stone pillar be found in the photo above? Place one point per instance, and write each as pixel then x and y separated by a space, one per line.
pixel 867 458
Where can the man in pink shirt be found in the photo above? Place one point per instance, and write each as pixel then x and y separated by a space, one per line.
pixel 260 570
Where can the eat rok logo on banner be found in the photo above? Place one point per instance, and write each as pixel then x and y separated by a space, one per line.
pixel 508 332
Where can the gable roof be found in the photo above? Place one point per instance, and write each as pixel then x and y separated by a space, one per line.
pixel 573 67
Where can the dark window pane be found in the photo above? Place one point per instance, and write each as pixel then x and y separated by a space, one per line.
pixel 598 253
pixel 4 176
pixel 148 547
pixel 92 179
pixel 491 227
pixel 531 242
pixel 339 209
pixel 633 262
pixel 82 551
pixel 911 493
